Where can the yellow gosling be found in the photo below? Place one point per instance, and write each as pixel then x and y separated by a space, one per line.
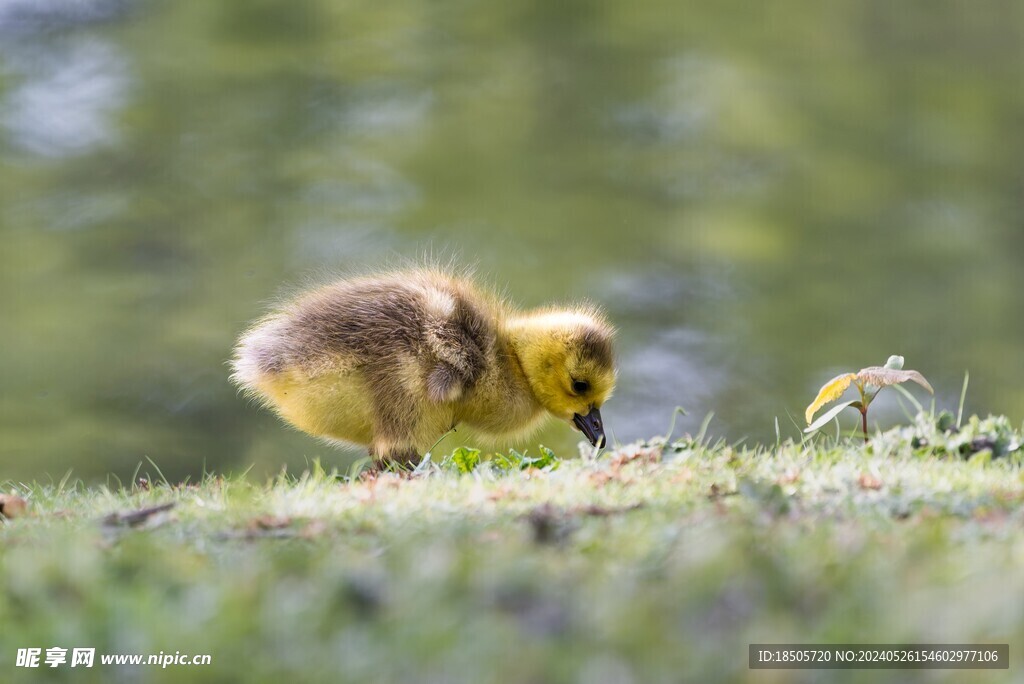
pixel 393 361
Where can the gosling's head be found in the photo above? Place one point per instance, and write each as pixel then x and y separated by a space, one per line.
pixel 567 357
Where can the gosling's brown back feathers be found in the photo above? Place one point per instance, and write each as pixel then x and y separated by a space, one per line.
pixel 378 324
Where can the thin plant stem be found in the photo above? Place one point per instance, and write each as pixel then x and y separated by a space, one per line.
pixel 864 401
pixel 963 397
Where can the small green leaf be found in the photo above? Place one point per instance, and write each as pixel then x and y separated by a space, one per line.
pixel 466 460
pixel 945 422
pixel 826 418
pixel 503 462
pixel 513 460
pixel 547 459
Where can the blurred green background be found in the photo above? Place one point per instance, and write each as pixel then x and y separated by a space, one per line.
pixel 762 195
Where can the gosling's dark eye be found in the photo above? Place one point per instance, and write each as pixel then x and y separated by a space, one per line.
pixel 580 386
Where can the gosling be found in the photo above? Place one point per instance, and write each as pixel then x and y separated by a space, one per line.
pixel 395 361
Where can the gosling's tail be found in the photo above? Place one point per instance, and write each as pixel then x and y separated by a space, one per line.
pixel 259 354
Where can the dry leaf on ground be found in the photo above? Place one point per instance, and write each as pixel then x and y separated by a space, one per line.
pixel 12 506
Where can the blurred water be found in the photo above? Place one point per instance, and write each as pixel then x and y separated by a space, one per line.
pixel 760 195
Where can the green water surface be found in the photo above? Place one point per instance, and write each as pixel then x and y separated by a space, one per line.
pixel 761 194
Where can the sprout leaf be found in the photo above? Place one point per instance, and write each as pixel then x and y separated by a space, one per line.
pixel 827 416
pixel 884 377
pixel 830 391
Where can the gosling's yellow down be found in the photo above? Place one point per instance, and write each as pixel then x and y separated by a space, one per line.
pixel 394 361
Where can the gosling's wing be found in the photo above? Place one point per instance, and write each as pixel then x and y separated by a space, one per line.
pixel 444 383
pixel 459 345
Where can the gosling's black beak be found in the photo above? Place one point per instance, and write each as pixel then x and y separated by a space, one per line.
pixel 592 426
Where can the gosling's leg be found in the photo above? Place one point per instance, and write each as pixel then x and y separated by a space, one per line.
pixel 394 425
pixel 404 457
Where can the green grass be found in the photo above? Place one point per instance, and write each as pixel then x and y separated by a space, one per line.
pixel 648 564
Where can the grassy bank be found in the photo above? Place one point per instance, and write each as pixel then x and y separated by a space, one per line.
pixel 652 563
